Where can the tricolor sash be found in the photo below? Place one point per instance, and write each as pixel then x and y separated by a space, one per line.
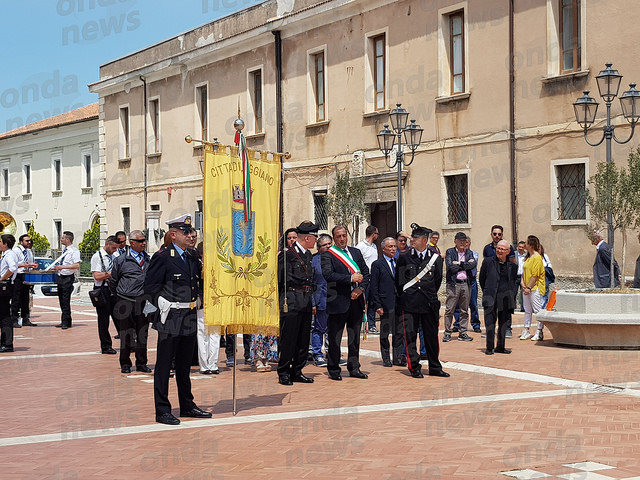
pixel 346 260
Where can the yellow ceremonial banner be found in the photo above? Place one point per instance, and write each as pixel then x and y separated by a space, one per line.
pixel 240 257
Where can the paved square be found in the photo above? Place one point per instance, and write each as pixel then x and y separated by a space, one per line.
pixel 541 412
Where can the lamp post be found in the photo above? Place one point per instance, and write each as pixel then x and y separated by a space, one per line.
pixel 387 138
pixel 585 109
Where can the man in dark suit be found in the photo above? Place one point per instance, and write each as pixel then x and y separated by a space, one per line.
pixel 347 278
pixel 295 284
pixel 174 282
pixel 602 263
pixel 383 299
pixel 498 282
pixel 418 278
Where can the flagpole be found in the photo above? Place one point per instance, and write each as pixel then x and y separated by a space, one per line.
pixel 235 351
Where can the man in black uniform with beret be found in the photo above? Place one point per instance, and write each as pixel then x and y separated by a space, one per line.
pixel 295 284
pixel 418 278
pixel 174 282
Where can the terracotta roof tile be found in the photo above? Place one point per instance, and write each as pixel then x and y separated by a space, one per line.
pixel 88 112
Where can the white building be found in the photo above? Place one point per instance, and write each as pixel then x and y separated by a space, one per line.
pixel 50 174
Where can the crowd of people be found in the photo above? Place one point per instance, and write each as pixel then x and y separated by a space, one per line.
pixel 320 295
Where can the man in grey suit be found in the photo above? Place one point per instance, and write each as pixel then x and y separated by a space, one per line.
pixel 602 263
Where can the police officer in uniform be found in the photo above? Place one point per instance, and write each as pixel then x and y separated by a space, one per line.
pixel 295 285
pixel 418 278
pixel 174 282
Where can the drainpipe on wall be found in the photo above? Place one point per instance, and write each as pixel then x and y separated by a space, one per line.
pixel 144 141
pixel 279 123
pixel 512 126
pixel 144 82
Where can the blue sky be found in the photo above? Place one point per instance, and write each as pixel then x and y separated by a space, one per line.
pixel 52 49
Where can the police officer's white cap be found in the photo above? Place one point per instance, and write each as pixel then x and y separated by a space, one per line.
pixel 182 222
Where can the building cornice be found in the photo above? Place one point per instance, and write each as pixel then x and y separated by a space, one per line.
pixel 212 50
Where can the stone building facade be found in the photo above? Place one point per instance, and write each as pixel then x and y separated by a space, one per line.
pixel 318 79
pixel 50 175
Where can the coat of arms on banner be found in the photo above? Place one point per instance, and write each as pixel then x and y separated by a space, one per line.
pixel 243 230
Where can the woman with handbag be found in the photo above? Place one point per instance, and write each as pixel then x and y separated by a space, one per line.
pixel 8 271
pixel 533 287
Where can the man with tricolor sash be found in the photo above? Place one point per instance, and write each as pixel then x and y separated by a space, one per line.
pixel 347 278
pixel 418 278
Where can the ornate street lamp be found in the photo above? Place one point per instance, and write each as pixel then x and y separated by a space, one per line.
pixel 585 109
pixel 387 139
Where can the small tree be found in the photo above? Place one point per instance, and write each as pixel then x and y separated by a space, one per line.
pixel 345 201
pixel 38 242
pixel 617 191
pixel 91 240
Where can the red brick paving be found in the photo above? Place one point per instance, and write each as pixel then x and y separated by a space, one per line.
pixel 69 395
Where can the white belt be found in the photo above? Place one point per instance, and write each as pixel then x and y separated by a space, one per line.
pixel 190 305
pixel 418 277
pixel 165 305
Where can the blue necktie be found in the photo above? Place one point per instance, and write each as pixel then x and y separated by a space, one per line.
pixel 393 267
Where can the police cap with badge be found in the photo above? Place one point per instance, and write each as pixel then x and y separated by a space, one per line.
pixel 418 231
pixel 183 222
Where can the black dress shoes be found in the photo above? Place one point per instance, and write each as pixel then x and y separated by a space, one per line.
pixel 302 379
pixel 503 350
pixel 167 419
pixel 285 380
pixel 438 373
pixel 358 374
pixel 400 363
pixel 6 349
pixel 196 412
pixel 109 351
pixel 387 363
pixel 16 325
pixel 28 323
pixel 143 368
pixel 125 370
pixel 416 373
pixel 488 351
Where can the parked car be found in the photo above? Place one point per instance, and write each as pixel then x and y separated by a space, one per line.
pixel 50 289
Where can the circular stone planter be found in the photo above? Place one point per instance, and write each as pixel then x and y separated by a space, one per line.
pixel 595 319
